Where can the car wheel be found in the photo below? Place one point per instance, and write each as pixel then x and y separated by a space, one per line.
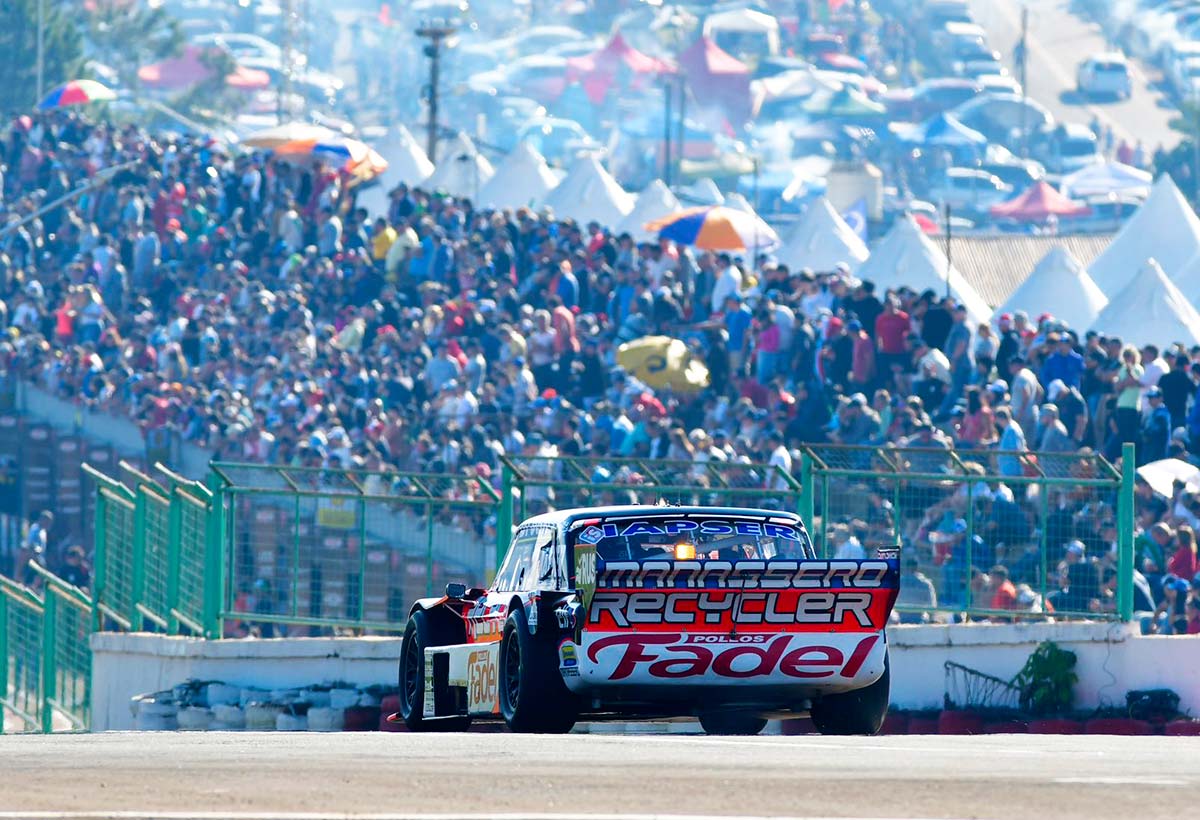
pixel 731 723
pixel 533 697
pixel 423 631
pixel 860 712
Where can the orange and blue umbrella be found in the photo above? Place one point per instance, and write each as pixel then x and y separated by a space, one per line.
pixel 349 155
pixel 716 228
pixel 77 92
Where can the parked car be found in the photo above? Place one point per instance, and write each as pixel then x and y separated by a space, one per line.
pixel 1067 147
pixel 970 190
pixel 1001 117
pixel 930 97
pixel 1104 75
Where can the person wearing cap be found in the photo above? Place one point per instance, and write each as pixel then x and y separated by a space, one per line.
pixel 1063 363
pixel 1170 618
pixel 1051 435
pixel 1156 429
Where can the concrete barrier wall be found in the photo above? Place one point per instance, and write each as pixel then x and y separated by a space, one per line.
pixel 1113 659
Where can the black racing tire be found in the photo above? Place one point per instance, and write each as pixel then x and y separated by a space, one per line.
pixel 533 697
pixel 859 712
pixel 731 723
pixel 423 630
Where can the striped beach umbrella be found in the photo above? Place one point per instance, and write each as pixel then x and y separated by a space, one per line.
pixel 76 92
pixel 716 228
pixel 350 155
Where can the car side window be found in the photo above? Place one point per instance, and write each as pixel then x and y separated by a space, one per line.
pixel 518 564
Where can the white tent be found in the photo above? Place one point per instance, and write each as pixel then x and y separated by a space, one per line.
pixel 1188 280
pixel 1165 227
pixel 407 163
pixel 701 192
pixel 653 203
pixel 522 180
pixel 1107 178
pixel 740 203
pixel 906 257
pixel 1151 309
pixel 461 170
pixel 1061 286
pixel 589 193
pixel 821 240
pixel 743 21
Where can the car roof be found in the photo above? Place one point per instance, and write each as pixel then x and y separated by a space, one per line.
pixel 1108 57
pixel 561 516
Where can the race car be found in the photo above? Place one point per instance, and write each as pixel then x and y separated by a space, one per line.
pixel 653 612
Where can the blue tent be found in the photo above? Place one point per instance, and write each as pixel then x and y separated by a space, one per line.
pixel 944 130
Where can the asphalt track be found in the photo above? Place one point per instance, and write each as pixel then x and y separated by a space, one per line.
pixel 243 776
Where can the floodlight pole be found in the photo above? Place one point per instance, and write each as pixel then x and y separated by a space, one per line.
pixel 41 49
pixel 949 263
pixel 435 34
pixel 1023 45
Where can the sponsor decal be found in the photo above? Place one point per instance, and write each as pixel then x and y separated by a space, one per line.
pixel 585 568
pixel 678 656
pixel 481 682
pixel 592 535
pixel 720 610
pixel 773 574
pixel 709 527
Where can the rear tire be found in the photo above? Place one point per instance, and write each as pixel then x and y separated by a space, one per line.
pixel 860 712
pixel 731 723
pixel 423 631
pixel 533 697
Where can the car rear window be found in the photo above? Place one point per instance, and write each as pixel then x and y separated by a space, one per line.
pixel 698 537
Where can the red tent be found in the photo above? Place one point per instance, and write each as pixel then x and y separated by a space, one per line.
pixel 1039 202
pixel 714 74
pixel 189 69
pixel 601 70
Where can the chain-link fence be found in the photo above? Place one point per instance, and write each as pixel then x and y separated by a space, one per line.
pixel 310 549
pixel 985 533
pixel 21 624
pixel 45 659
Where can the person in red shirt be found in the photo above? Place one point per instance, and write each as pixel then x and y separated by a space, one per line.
pixel 1184 563
pixel 891 328
pixel 1004 593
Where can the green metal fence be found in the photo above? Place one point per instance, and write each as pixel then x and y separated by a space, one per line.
pixel 962 514
pixel 45 659
pixel 319 549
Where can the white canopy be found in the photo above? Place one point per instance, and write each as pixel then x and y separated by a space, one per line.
pixel 1165 228
pixel 1188 280
pixel 522 180
pixel 1107 178
pixel 1061 286
pixel 906 257
pixel 1151 309
pixel 653 203
pixel 821 240
pixel 701 192
pixel 407 163
pixel 589 193
pixel 744 21
pixel 461 170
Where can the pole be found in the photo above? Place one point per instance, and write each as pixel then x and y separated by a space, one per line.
pixel 681 128
pixel 949 263
pixel 435 35
pixel 1196 144
pixel 668 92
pixel 1023 65
pixel 41 49
pixel 1125 534
pixel 754 193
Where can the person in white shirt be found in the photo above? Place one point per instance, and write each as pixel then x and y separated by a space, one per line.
pixel 1154 367
pixel 780 458
pixel 729 282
